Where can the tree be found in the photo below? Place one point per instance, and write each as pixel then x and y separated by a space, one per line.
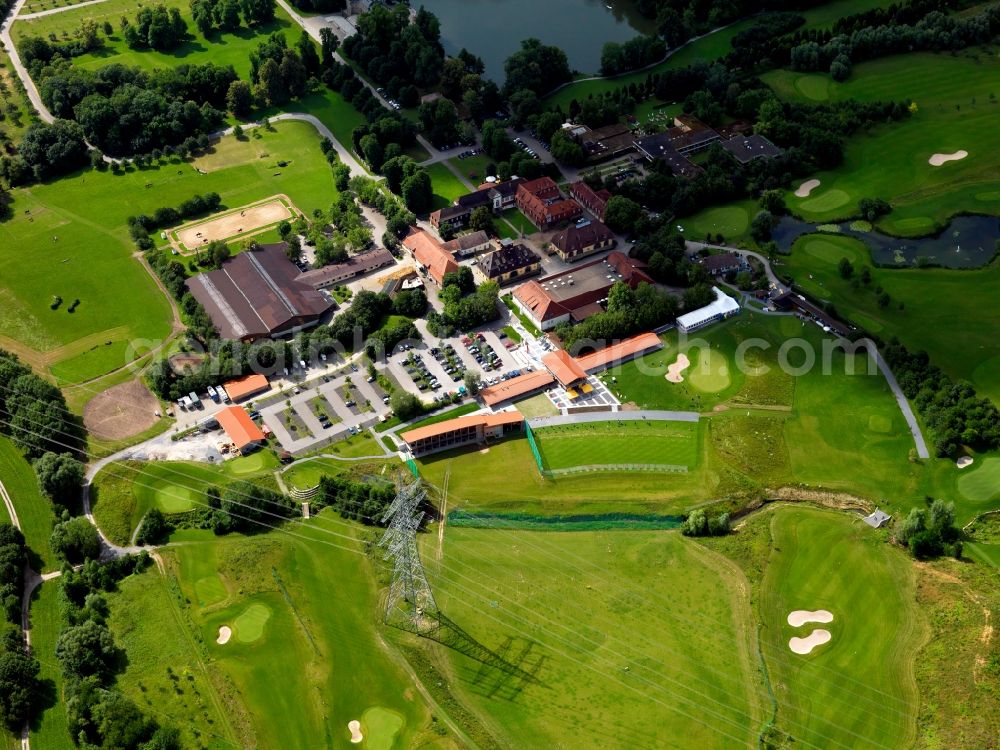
pixel 696 524
pixel 773 201
pixel 417 192
pixel 405 405
pixel 760 227
pixel 227 14
pixel 328 45
pixel 87 650
pixel 203 13
pixel 293 74
pixel 270 88
pixel 256 12
pixel 873 208
pixel 20 688
pixel 76 540
pixel 481 220
pixel 307 53
pixel 154 527
pixel 471 382
pixel 914 523
pixel 239 98
pixel 622 214
pixel 566 150
pixel 537 67
pixel 846 268
pixel 248 505
pixel 60 477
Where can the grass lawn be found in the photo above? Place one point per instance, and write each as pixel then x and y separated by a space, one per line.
pixel 447 187
pixel 274 592
pixel 673 443
pixel 355 446
pixel 512 224
pixel 92 258
pixel 473 168
pixel 33 511
pixel 618 628
pixel 933 300
pixel 537 406
pixel 732 221
pixel 956 109
pixel 50 731
pixel 528 324
pixel 221 48
pixel 458 411
pixel 859 688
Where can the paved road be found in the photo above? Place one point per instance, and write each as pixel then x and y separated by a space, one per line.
pixel 15 60
pixel 651 415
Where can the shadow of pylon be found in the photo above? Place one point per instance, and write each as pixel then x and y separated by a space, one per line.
pixel 448 633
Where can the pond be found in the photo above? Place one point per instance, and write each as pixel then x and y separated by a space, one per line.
pixel 967 242
pixel 493 29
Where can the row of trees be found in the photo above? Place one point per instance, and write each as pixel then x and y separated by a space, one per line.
pixel 633 54
pixel 698 523
pixel 364 502
pixel 224 15
pixel 930 532
pixel 395 52
pixel 628 311
pixel 155 28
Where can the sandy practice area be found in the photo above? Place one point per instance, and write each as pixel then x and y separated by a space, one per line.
pixel 811 641
pixel 800 617
pixel 225 633
pixel 938 159
pixel 674 370
pixel 121 411
pixel 803 190
pixel 964 461
pixel 234 223
pixel 355 727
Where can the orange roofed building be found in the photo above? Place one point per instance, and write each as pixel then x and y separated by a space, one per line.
pixel 527 384
pixel 245 387
pixel 430 254
pixel 242 431
pixel 475 428
pixel 623 351
pixel 564 368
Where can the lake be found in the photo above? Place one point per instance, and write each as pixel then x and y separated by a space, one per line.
pixel 967 242
pixel 493 29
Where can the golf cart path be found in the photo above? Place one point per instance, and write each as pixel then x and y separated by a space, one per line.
pixel 15 60
pixel 51 11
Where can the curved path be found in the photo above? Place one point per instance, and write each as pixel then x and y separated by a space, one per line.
pixel 15 59
pixel 52 11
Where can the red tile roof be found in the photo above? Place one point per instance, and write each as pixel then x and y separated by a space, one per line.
pixel 242 430
pixel 625 349
pixel 431 254
pixel 564 367
pixel 472 420
pixel 519 386
pixel 246 386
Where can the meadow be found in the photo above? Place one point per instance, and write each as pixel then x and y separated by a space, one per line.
pixel 33 510
pixel 614 638
pixel 50 730
pixel 956 109
pixel 933 300
pixel 858 689
pixel 82 250
pixel 447 187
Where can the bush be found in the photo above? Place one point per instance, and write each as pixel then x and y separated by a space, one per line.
pixel 76 540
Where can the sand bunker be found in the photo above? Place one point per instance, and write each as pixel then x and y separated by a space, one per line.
pixel 805 188
pixel 355 727
pixel 233 223
pixel 674 370
pixel 811 641
pixel 225 633
pixel 964 461
pixel 800 617
pixel 938 159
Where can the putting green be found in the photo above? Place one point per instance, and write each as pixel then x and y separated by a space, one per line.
pixel 827 201
pixel 209 590
pixel 880 423
pixel 174 498
pixel 246 464
pixel 380 727
pixel 710 374
pixel 981 483
pixel 249 626
pixel 813 87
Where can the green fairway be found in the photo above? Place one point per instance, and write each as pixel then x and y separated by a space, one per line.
pixel 33 510
pixel 620 629
pixel 168 672
pixel 620 443
pixel 933 300
pixel 858 689
pixel 289 619
pixel 91 257
pixel 955 110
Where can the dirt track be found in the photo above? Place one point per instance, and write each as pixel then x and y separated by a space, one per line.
pixel 239 221
pixel 121 411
